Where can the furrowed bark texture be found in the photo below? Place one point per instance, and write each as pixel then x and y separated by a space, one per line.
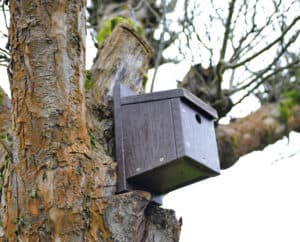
pixel 5 150
pixel 51 157
pixel 5 127
pixel 128 217
pixel 254 132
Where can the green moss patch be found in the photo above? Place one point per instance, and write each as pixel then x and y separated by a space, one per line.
pixel 92 142
pixel 145 79
pixel 290 99
pixel 1 98
pixel 88 80
pixel 111 23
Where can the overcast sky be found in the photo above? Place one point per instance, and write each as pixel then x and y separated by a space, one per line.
pixel 257 200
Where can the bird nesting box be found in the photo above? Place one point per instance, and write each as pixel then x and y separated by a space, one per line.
pixel 164 140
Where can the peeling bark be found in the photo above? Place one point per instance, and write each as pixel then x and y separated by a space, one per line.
pixel 254 132
pixel 48 178
pixel 5 127
pixel 5 150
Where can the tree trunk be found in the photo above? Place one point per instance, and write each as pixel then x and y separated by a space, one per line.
pixel 5 148
pixel 46 194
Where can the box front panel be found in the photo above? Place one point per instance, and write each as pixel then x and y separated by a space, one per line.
pixel 148 136
pixel 199 139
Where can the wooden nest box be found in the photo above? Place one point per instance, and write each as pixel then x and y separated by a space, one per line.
pixel 164 140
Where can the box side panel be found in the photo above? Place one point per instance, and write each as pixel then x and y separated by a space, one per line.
pixel 199 137
pixel 148 136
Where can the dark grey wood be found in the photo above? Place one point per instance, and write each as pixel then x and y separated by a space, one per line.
pixel 164 140
pixel 148 136
pixel 121 184
pixel 171 176
pixel 119 92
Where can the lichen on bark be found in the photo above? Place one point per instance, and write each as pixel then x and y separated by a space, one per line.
pixel 51 148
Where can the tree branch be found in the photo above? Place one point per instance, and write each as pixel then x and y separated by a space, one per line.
pixel 220 65
pixel 232 66
pixel 161 45
pixel 264 79
pixel 262 72
pixel 254 132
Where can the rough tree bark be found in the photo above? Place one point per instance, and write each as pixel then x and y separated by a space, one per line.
pixel 48 180
pixel 5 147
pixel 5 128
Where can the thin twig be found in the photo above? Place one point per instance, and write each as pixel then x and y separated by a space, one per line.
pixel 231 66
pixel 161 45
pixel 265 70
pixel 291 65
pixel 224 48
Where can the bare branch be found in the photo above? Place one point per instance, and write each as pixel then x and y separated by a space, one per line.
pixel 161 44
pixel 232 66
pixel 219 16
pixel 4 14
pixel 252 35
pixel 224 47
pixel 291 65
pixel 268 68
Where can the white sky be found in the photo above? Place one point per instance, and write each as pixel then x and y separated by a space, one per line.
pixel 256 200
